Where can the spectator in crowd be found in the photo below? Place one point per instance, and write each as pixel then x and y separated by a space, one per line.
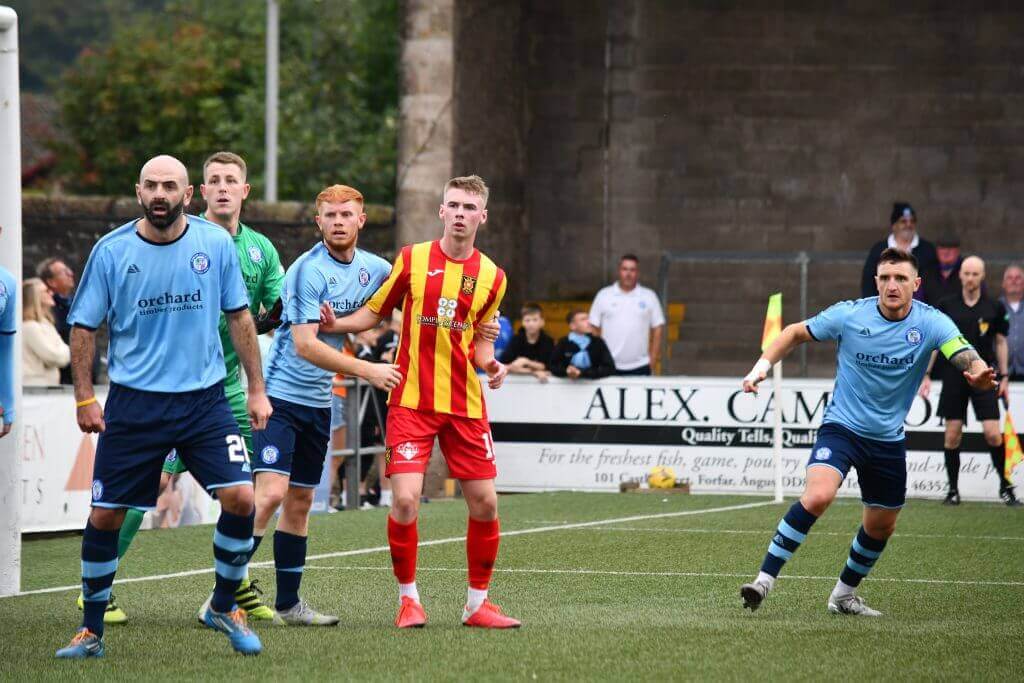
pixel 505 334
pixel 581 354
pixel 44 352
pixel 945 282
pixel 530 350
pixel 61 280
pixel 1013 293
pixel 629 318
pixel 903 236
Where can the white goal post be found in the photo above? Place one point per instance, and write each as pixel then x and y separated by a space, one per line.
pixel 10 258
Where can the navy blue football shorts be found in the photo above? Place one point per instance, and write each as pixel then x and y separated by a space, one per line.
pixel 143 426
pixel 294 443
pixel 881 465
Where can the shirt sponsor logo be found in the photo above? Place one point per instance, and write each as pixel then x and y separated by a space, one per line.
pixel 884 360
pixel 200 262
pixel 255 255
pixel 97 489
pixel 169 302
pixel 270 454
pixel 823 453
pixel 914 336
pixel 407 450
pixel 364 277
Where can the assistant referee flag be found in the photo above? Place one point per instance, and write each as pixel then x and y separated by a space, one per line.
pixel 772 321
pixel 1014 454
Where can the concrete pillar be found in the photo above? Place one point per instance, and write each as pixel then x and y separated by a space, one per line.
pixel 425 133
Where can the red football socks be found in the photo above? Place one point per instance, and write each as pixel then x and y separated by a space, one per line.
pixel 482 540
pixel 403 539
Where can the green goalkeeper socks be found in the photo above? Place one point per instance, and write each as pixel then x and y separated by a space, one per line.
pixel 130 527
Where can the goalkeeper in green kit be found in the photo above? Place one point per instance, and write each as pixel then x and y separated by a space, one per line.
pixel 225 188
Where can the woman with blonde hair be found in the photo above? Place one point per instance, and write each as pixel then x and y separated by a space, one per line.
pixel 44 351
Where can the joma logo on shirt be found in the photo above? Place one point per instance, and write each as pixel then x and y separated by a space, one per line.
pixel 168 298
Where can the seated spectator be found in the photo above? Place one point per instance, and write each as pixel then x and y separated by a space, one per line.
pixel 505 334
pixel 581 354
pixel 45 353
pixel 530 350
pixel 903 221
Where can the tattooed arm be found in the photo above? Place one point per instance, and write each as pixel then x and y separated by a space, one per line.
pixel 976 371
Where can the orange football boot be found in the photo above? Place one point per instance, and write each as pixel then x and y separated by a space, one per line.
pixel 410 614
pixel 489 615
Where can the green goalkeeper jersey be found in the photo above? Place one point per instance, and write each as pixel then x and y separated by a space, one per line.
pixel 263 275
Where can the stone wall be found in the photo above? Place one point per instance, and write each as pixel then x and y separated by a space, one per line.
pixel 686 125
pixel 68 227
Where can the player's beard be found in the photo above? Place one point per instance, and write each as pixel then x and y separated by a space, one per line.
pixel 171 213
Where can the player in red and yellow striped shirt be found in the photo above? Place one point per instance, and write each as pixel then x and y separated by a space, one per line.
pixel 445 289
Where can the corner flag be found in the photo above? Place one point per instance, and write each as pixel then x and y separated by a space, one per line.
pixel 1014 454
pixel 772 320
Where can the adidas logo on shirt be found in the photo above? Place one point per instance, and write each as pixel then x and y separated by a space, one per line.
pixel 133 269
pixel 865 332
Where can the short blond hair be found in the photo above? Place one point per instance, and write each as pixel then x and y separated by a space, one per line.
pixel 338 194
pixel 226 158
pixel 473 184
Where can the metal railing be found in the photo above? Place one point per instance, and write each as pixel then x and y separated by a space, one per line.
pixel 802 259
pixel 357 401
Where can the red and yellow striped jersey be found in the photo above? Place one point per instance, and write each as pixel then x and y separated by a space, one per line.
pixel 441 301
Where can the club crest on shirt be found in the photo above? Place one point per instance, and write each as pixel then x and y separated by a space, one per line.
pixel 823 453
pixel 255 255
pixel 914 336
pixel 407 450
pixel 468 284
pixel 270 454
pixel 982 327
pixel 97 489
pixel 364 277
pixel 200 262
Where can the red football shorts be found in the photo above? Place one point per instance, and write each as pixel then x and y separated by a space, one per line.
pixel 466 443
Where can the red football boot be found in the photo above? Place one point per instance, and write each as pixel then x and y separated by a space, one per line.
pixel 410 614
pixel 489 615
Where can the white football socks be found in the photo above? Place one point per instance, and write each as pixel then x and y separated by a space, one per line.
pixel 842 590
pixel 408 590
pixel 474 599
pixel 766 579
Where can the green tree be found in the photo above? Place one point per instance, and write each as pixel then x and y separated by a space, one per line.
pixel 190 81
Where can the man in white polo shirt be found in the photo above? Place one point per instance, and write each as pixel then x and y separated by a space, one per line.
pixel 630 320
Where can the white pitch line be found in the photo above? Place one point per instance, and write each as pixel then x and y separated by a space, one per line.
pixel 763 532
pixel 603 572
pixel 423 544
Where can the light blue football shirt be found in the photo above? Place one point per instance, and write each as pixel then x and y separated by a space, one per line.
pixel 317 277
pixel 8 326
pixel 881 362
pixel 162 303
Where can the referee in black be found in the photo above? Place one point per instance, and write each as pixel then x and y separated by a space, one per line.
pixel 985 324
